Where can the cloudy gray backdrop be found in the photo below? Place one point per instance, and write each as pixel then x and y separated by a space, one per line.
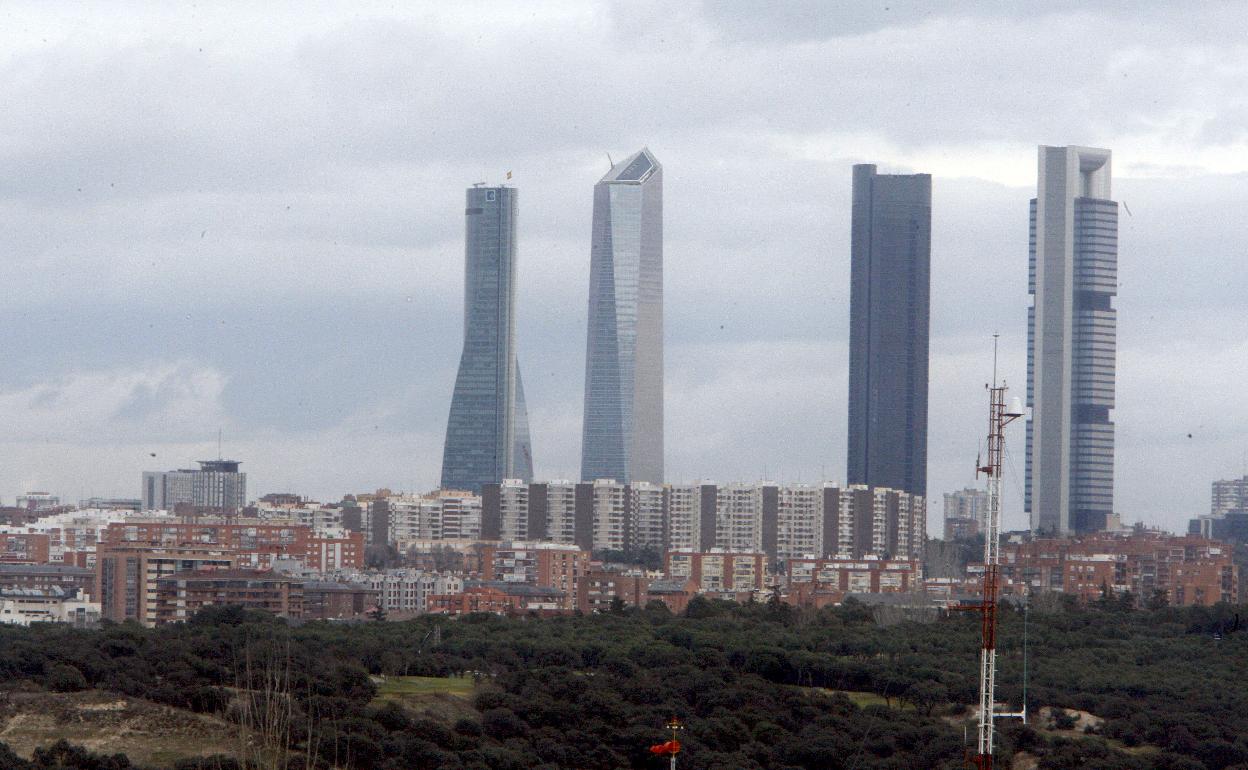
pixel 252 221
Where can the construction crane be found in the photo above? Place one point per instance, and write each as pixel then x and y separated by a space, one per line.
pixel 998 418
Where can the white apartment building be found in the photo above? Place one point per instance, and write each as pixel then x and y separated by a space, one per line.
pixel 438 515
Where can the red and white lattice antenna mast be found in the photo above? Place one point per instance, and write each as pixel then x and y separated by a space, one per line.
pixel 998 418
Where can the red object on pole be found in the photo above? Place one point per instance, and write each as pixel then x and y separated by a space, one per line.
pixel 669 747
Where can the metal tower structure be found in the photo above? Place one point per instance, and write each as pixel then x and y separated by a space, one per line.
pixel 998 418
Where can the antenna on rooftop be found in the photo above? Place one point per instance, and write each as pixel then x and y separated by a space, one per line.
pixel 610 161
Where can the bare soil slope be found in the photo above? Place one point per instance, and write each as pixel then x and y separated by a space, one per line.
pixel 148 733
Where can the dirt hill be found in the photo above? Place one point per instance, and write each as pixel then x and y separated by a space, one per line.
pixel 146 732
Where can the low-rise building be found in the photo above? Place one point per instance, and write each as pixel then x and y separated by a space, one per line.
pixel 675 593
pixel 546 565
pixel 863 576
pixel 597 590
pixel 500 598
pixel 1187 570
pixel 717 570
pixel 23 606
pixel 328 600
pixel 180 595
pixel 69 579
pixel 24 548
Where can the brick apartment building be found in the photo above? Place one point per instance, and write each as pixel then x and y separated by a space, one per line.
pixel 501 598
pixel 127 575
pixel 596 590
pixel 180 595
pixel 79 580
pixel 257 542
pixel 718 571
pixel 545 565
pixel 845 576
pixel 1188 570
pixel 24 548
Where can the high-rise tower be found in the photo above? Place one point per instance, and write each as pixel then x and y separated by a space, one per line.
pixel 1071 342
pixel 487 434
pixel 888 317
pixel 622 433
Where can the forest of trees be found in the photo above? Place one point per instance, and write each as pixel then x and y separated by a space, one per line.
pixel 757 685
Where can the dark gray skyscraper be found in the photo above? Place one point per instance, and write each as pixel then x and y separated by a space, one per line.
pixel 1071 342
pixel 487 435
pixel 622 433
pixel 888 317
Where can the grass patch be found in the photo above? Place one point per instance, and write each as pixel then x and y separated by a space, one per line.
pixel 398 686
pixel 863 698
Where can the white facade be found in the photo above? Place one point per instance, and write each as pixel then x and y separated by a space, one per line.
pixel 648 514
pixel 21 607
pixel 438 515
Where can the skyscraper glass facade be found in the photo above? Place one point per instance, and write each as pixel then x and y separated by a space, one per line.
pixel 487 434
pixel 1071 342
pixel 622 432
pixel 888 312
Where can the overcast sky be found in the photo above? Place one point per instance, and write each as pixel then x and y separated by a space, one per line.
pixel 253 221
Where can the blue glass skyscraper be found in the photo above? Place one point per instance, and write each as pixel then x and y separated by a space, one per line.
pixel 487 434
pixel 1072 331
pixel 622 433
pixel 890 255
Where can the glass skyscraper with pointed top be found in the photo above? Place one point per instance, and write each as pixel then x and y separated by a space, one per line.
pixel 487 434
pixel 622 432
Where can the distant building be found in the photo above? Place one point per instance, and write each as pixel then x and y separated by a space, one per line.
pixel 254 543
pixel 327 600
pixel 597 590
pixel 964 510
pixel 112 504
pixel 440 515
pixel 675 593
pixel 500 598
pixel 24 548
pixel 718 571
pixel 1071 343
pixel 487 433
pixel 127 575
pixel 1228 495
pixel 844 576
pixel 43 577
pixel 181 595
pixel 546 565
pixel 38 501
pixel 622 436
pixel 1187 570
pixel 217 485
pixel 781 521
pixel 888 350
pixel 23 606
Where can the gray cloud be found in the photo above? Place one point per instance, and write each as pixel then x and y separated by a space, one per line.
pixel 252 219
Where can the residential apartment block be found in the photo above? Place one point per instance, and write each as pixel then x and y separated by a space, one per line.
pixel 781 521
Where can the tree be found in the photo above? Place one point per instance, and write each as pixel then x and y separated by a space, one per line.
pixel 927 695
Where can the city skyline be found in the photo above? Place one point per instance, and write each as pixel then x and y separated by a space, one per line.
pixel 169 299
pixel 622 433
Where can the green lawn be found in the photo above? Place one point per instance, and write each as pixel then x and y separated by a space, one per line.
pixel 862 698
pixel 398 686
